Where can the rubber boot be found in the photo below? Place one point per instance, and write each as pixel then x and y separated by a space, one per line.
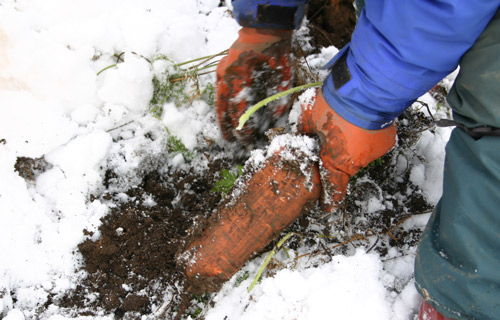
pixel 427 312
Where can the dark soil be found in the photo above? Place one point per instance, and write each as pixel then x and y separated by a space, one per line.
pixel 29 169
pixel 132 266
pixel 331 22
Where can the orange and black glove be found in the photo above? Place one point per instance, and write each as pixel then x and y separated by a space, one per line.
pixel 344 147
pixel 256 67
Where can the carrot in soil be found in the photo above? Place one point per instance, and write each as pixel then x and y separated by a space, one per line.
pixel 272 199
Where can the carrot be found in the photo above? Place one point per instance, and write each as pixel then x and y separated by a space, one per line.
pixel 272 199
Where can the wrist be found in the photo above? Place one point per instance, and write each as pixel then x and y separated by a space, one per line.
pixel 276 14
pixel 258 40
pixel 260 35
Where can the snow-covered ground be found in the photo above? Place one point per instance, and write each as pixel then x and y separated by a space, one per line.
pixel 53 104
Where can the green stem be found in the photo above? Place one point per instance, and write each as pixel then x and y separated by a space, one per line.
pixel 244 118
pixel 187 76
pixel 108 67
pixel 266 262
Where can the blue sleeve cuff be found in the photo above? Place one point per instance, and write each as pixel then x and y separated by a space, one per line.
pixel 269 14
pixel 345 99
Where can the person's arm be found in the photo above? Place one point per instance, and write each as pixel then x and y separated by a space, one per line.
pixel 399 50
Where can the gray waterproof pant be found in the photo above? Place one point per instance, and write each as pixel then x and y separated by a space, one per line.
pixel 458 262
pixel 457 269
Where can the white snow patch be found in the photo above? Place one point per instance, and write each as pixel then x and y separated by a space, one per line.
pixel 331 291
pixel 129 84
pixel 429 175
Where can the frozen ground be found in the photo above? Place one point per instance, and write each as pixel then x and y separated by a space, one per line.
pixel 54 106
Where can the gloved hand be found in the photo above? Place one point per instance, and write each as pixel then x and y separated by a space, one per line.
pixel 344 147
pixel 256 67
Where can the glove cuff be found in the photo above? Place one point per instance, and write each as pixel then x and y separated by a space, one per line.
pixel 276 14
pixel 253 36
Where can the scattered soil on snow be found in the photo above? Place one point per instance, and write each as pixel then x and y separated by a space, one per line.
pixel 131 264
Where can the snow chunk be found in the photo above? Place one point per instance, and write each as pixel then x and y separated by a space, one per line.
pixel 307 100
pixel 76 172
pixel 290 147
pixel 82 154
pixel 185 123
pixel 429 176
pixel 14 314
pixel 374 205
pixel 85 114
pixel 284 144
pixel 129 84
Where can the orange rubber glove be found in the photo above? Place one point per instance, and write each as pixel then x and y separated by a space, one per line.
pixel 256 67
pixel 344 147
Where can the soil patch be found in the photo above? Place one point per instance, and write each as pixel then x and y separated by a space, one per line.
pixel 29 169
pixel 132 266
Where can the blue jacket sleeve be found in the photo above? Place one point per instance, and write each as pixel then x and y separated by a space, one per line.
pixel 398 51
pixel 269 14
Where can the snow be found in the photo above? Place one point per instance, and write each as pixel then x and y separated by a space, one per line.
pixel 334 290
pixel 429 176
pixel 186 123
pixel 53 104
pixel 128 85
pixel 307 99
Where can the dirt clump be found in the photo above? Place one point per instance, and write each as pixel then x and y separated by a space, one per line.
pixel 30 168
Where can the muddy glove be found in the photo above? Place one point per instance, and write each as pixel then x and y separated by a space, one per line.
pixel 256 67
pixel 344 147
